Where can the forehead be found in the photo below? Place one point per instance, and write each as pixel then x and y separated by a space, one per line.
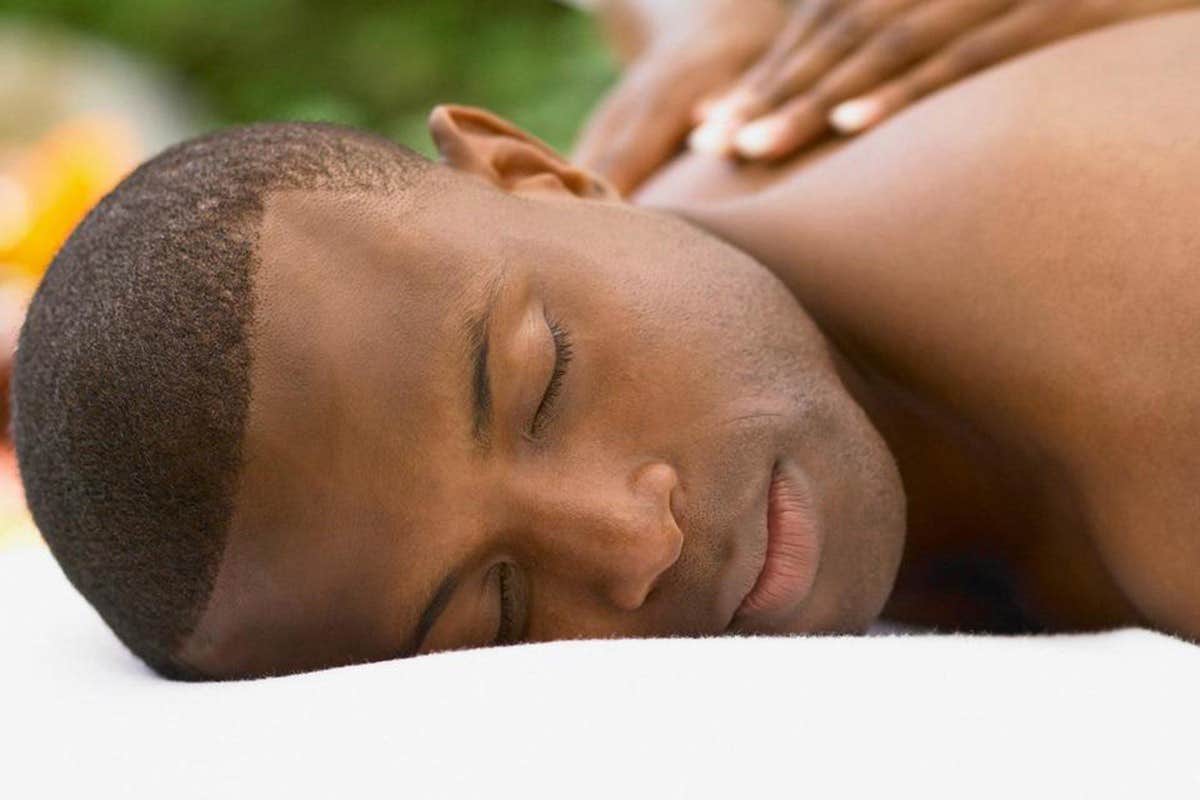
pixel 358 374
pixel 321 252
pixel 357 336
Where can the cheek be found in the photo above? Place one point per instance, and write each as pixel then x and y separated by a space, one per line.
pixel 565 611
pixel 731 330
pixel 683 340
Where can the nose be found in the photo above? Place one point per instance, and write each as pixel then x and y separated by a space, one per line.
pixel 614 535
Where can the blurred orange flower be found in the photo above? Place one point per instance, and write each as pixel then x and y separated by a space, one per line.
pixel 46 188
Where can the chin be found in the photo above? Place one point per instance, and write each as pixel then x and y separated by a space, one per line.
pixel 863 545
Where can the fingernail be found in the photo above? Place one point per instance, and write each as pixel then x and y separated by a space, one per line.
pixel 705 108
pixel 757 139
pixel 720 110
pixel 853 116
pixel 711 138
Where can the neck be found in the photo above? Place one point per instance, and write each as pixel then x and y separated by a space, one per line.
pixel 978 510
pixel 969 488
pixel 962 487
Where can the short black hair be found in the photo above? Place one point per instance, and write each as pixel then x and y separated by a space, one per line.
pixel 131 383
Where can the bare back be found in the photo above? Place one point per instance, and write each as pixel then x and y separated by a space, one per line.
pixel 1022 255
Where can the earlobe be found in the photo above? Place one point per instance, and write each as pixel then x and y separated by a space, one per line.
pixel 480 143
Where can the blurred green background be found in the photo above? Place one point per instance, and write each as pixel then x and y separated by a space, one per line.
pixel 379 64
pixel 88 88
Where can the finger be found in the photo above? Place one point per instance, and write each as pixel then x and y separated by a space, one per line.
pixel 783 131
pixel 868 110
pixel 1022 29
pixel 841 36
pixel 739 101
pixel 705 106
pixel 720 117
pixel 906 40
pixel 712 136
pixel 632 152
pixel 627 145
pixel 827 38
pixel 594 148
pixel 640 127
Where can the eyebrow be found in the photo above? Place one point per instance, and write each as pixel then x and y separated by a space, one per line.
pixel 478 327
pixel 437 604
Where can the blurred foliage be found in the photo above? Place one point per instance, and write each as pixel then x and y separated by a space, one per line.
pixel 380 64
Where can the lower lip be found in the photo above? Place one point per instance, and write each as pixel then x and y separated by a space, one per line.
pixel 793 550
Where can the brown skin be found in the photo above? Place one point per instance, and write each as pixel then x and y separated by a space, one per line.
pixel 802 67
pixel 1032 370
pixel 637 509
pixel 1014 262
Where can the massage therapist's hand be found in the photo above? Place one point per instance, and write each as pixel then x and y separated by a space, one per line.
pixel 692 50
pixel 848 64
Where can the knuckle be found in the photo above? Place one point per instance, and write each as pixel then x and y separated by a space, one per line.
pixel 895 44
pixel 772 94
pixel 824 95
pixel 753 81
pixel 761 99
pixel 847 29
pixel 746 103
pixel 799 73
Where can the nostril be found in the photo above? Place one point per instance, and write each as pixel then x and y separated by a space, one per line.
pixel 655 539
pixel 632 593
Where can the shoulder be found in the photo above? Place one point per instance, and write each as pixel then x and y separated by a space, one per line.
pixel 1144 520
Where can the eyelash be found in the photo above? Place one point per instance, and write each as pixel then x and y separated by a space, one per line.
pixel 506 634
pixel 562 357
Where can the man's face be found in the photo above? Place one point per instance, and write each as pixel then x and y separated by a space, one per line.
pixel 479 417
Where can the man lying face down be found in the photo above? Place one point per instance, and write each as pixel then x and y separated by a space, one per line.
pixel 292 397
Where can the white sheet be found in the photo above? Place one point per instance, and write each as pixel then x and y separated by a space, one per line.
pixel 1113 715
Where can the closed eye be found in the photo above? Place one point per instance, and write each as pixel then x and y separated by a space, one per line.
pixel 562 358
pixel 508 631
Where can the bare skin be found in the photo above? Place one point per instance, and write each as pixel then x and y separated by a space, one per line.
pixel 802 66
pixel 1006 294
pixel 380 516
pixel 1024 292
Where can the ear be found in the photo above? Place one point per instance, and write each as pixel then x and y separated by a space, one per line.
pixel 483 144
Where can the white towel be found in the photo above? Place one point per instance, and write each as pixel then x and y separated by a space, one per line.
pixel 1113 715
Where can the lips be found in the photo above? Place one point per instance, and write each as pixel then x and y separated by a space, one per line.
pixel 793 551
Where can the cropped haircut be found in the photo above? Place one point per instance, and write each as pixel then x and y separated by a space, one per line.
pixel 131 383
